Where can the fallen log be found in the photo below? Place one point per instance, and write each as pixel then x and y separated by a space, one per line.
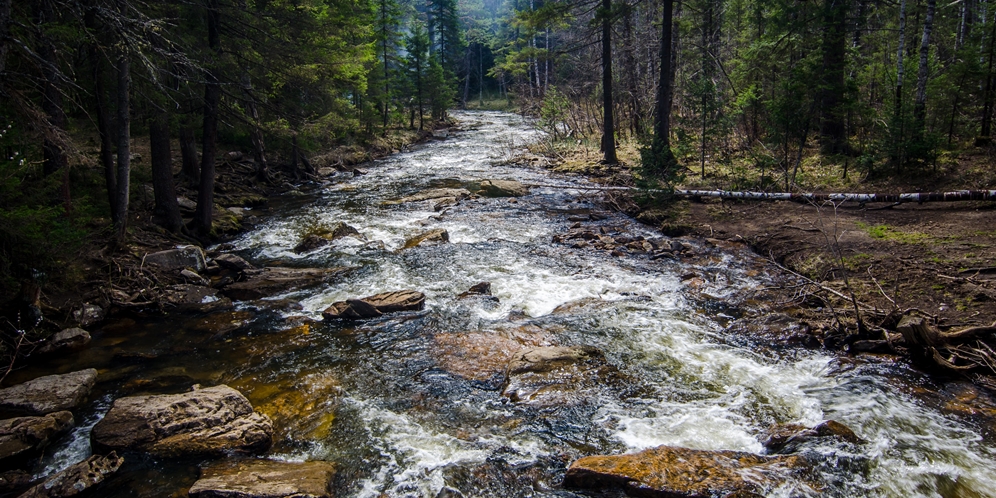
pixel 963 351
pixel 918 197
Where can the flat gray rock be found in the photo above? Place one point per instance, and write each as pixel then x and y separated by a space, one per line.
pixel 65 341
pixel 210 421
pixel 265 479
pixel 179 258
pixel 51 393
pixel 77 478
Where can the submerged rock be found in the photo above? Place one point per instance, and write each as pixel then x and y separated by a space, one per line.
pixel 265 479
pixel 503 188
pixel 179 258
pixel 65 341
pixel 788 437
pixel 213 420
pixel 437 193
pixel 22 437
pixel 478 289
pixel 484 356
pixel 376 305
pixel 556 375
pixel 670 472
pixel 324 236
pixel 438 235
pixel 51 393
pixel 199 298
pixel 77 478
pixel 270 281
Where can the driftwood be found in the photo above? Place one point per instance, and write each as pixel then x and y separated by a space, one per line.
pixel 919 197
pixel 964 351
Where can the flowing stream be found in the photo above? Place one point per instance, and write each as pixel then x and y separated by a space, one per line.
pixel 408 404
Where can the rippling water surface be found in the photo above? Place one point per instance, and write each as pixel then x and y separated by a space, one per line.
pixel 386 401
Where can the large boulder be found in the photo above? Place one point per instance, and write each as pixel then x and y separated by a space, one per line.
pixel 437 235
pixel 556 375
pixel 484 355
pixel 77 478
pixel 177 259
pixel 51 393
pixel 265 479
pixel 672 472
pixel 22 437
pixel 210 421
pixel 376 305
pixel 503 188
pixel 271 281
pixel 65 341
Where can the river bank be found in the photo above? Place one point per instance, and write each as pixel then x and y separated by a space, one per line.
pixel 537 330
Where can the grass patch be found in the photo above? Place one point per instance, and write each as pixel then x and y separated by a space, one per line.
pixel 891 234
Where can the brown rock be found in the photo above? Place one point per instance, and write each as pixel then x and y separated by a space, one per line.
pixel 479 289
pixel 269 281
pixel 556 375
pixel 503 188
pixel 437 235
pixel 376 305
pixel 485 355
pixel 265 479
pixel 233 262
pixel 65 341
pixel 214 420
pixel 25 436
pixel 787 438
pixel 439 193
pixel 51 393
pixel 13 482
pixel 671 472
pixel 310 243
pixel 78 478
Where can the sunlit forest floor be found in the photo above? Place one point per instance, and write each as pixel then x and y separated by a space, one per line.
pixel 938 258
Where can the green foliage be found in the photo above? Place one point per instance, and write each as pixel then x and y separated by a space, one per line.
pixel 659 173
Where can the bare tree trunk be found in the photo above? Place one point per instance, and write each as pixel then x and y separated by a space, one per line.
pixel 608 129
pixel 212 97
pixel 167 209
pixel 104 122
pixel 188 154
pixel 662 117
pixel 256 137
pixel 629 60
pixel 897 124
pixel 920 106
pixel 987 106
pixel 55 157
pixel 124 137
pixel 833 132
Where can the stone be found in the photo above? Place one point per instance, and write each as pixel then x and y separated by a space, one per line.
pixel 787 438
pixel 270 281
pixel 186 205
pixel 77 478
pixel 300 406
pixel 310 243
pixel 376 305
pixel 478 289
pixel 557 375
pixel 438 193
pixel 65 341
pixel 200 298
pixel 503 188
pixel 88 314
pixel 233 262
pixel 48 394
pixel 13 482
pixel 265 479
pixel 23 437
pixel 484 356
pixel 179 258
pixel 209 421
pixel 667 471
pixel 438 235
pixel 443 203
pixel 193 277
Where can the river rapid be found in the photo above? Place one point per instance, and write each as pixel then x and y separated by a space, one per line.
pixel 405 404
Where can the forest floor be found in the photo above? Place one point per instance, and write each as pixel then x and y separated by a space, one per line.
pixel 933 260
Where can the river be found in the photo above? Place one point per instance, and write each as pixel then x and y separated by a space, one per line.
pixel 408 404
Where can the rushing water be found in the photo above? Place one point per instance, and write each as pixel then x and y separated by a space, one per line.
pixel 386 400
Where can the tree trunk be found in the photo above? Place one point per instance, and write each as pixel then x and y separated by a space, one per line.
pixel 987 106
pixel 920 106
pixel 662 117
pixel 104 123
pixel 833 133
pixel 256 137
pixel 124 137
pixel 387 69
pixel 188 154
pixel 212 97
pixel 608 130
pixel 55 157
pixel 629 60
pixel 167 209
pixel 5 20
pixel 897 117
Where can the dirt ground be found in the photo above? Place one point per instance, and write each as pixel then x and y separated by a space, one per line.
pixel 937 258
